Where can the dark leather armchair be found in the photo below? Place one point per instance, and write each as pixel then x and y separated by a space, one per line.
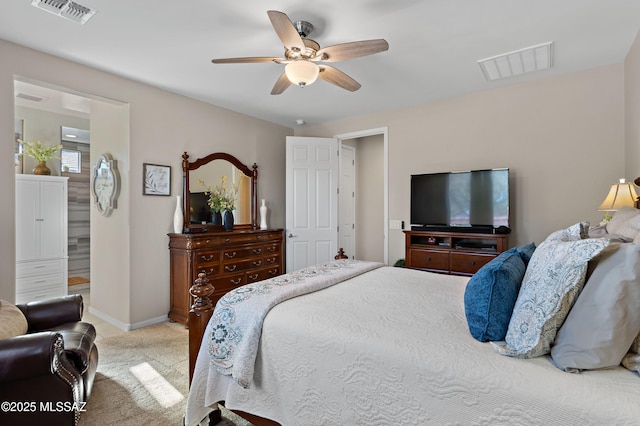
pixel 46 375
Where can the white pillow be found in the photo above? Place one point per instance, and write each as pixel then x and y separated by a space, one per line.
pixel 625 222
pixel 553 280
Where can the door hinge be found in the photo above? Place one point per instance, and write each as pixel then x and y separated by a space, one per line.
pixel 353 162
pixel 338 190
pixel 338 228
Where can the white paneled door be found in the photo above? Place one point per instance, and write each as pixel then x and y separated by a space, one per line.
pixel 312 201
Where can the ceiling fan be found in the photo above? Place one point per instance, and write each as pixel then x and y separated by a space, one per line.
pixel 303 56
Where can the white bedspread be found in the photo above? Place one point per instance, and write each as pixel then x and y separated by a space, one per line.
pixel 391 347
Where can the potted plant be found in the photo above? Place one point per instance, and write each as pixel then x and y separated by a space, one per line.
pixel 222 199
pixel 41 153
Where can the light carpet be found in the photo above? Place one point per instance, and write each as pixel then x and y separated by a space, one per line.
pixel 143 379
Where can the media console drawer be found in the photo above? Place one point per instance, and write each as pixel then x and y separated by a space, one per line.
pixel 430 259
pixel 469 263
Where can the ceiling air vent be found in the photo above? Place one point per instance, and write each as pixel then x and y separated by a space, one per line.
pixel 66 8
pixel 530 59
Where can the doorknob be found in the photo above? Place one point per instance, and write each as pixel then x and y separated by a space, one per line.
pixel 291 235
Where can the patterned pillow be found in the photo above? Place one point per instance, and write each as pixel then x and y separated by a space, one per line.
pixel 12 321
pixel 491 294
pixel 554 277
pixel 606 317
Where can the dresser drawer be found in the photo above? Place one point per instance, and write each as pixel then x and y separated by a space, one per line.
pixel 241 265
pixel 426 259
pixel 228 282
pixel 205 258
pixel 241 253
pixel 40 294
pixel 469 263
pixel 40 281
pixel 263 274
pixel 28 269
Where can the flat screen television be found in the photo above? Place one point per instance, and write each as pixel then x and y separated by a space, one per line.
pixel 471 199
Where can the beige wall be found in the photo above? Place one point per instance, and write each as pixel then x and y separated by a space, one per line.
pixel 161 126
pixel 632 110
pixel 370 199
pixel 562 138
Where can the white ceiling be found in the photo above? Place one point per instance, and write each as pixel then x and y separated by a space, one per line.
pixel 433 53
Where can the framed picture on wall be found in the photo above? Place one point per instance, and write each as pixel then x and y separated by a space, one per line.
pixel 156 179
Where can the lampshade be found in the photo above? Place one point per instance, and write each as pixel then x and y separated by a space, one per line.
pixel 302 72
pixel 620 195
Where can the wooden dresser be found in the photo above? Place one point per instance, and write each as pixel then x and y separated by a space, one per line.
pixel 230 259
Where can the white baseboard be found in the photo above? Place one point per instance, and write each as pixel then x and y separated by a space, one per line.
pixel 126 327
pixel 107 318
pixel 149 322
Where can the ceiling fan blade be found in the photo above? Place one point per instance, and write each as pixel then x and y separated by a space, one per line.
pixel 354 49
pixel 281 84
pixel 337 77
pixel 286 31
pixel 248 60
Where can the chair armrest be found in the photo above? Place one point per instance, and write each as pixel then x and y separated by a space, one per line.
pixel 30 355
pixel 46 314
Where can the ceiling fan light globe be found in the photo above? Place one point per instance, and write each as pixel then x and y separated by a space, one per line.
pixel 302 72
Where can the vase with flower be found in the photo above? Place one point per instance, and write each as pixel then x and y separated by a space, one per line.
pixel 42 153
pixel 222 202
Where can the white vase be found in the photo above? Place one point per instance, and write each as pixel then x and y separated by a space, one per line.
pixel 178 217
pixel 263 215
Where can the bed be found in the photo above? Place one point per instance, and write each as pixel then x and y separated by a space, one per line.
pixel 392 345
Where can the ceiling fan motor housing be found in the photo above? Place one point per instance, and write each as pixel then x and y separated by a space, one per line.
pixel 304 28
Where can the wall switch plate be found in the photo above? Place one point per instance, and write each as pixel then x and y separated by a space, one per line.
pixel 395 224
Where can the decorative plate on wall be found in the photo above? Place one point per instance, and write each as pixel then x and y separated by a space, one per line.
pixel 105 184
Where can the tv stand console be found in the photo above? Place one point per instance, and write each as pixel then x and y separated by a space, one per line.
pixel 456 253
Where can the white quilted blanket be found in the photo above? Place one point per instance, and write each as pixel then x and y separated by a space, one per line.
pixel 234 329
pixel 391 347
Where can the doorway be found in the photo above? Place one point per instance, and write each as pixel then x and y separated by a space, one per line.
pixel 371 193
pixel 57 117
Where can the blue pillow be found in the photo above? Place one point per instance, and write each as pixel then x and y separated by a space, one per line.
pixel 491 294
pixel 526 252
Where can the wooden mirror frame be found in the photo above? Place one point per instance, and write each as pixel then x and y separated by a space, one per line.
pixel 251 173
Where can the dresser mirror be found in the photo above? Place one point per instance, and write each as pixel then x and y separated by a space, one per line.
pixel 211 170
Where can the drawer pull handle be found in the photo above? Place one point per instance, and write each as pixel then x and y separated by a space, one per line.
pixel 259 237
pixel 40 281
pixel 209 271
pixel 257 263
pixel 230 255
pixel 230 268
pixel 207 242
pixel 253 277
pixel 207 258
pixel 271 249
pixel 236 281
pixel 473 263
pixel 273 272
pixel 257 251
pixel 271 260
pixel 227 240
pixel 428 259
